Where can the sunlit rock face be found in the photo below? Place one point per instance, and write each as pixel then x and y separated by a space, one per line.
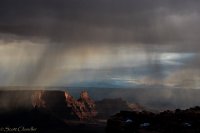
pixel 37 100
pixel 64 105
pixel 88 104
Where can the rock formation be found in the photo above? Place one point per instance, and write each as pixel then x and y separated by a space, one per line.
pixel 64 105
pixel 37 100
pixel 87 105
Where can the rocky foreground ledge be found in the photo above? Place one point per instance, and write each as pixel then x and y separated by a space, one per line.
pixel 178 121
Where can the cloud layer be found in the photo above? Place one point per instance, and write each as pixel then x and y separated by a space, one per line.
pixel 46 42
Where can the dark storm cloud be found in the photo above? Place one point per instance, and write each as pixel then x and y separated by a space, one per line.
pixel 104 21
pixel 69 28
pixel 53 42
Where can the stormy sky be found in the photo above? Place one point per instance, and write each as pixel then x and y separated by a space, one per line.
pixel 100 43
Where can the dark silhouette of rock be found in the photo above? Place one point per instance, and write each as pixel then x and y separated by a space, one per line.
pixel 178 121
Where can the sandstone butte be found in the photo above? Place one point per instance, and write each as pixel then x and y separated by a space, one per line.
pixel 62 104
